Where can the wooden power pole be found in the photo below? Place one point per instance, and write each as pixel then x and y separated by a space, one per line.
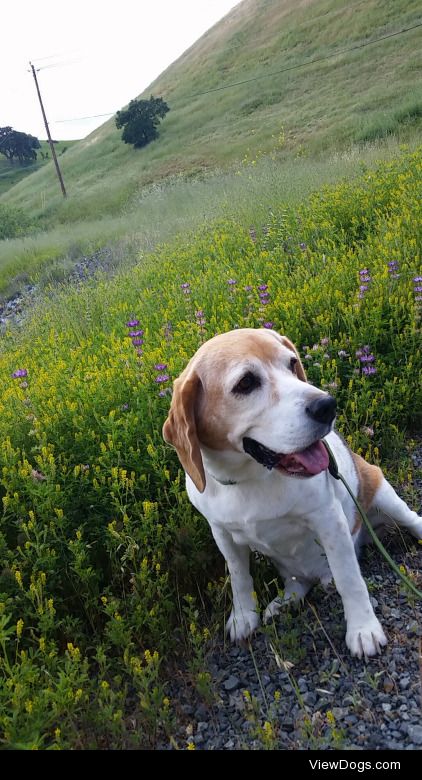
pixel 53 151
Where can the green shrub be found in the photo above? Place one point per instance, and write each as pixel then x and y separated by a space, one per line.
pixel 13 222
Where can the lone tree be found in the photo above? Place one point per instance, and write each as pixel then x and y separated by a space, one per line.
pixel 140 121
pixel 21 146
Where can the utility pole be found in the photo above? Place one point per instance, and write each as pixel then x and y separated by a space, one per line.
pixel 53 151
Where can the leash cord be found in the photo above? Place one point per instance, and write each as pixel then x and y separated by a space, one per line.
pixel 333 469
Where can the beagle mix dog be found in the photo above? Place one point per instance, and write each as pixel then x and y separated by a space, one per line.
pixel 248 430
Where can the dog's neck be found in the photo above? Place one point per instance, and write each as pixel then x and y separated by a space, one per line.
pixel 228 467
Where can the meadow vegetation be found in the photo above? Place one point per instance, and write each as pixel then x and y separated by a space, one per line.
pixel 109 580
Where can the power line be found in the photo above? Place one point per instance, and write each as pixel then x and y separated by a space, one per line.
pixel 267 75
pixel 308 62
pixel 81 118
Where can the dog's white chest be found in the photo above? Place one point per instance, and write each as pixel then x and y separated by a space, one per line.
pixel 267 523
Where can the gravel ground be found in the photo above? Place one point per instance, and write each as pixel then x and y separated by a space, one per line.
pixel 13 310
pixel 375 705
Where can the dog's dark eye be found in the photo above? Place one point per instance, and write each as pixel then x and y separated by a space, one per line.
pixel 247 384
pixel 293 363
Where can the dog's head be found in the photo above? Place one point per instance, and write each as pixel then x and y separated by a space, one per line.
pixel 246 391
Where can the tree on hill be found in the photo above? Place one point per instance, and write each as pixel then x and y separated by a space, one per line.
pixel 140 120
pixel 21 146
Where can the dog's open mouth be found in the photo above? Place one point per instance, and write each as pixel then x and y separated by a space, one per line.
pixel 306 463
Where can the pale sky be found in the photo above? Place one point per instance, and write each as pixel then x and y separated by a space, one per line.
pixel 93 55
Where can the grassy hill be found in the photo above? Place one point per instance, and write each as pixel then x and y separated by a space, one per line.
pixel 339 100
pixel 12 174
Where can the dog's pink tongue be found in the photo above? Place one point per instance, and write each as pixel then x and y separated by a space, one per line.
pixel 314 459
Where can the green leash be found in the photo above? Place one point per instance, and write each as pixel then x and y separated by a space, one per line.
pixel 333 469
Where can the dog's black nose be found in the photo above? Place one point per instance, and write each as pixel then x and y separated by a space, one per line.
pixel 322 410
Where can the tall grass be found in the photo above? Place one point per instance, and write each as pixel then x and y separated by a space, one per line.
pixel 178 206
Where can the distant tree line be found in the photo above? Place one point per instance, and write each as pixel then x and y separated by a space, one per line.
pixel 15 145
pixel 140 120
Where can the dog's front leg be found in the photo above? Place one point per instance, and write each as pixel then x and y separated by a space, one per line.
pixel 244 617
pixel 364 636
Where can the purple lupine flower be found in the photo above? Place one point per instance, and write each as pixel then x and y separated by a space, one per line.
pixel 364 276
pixel 231 281
pixel 248 288
pixel 302 245
pixel 263 287
pixel 162 378
pixel 417 288
pixel 132 323
pixel 186 288
pixel 268 325
pixel 133 334
pixel 160 366
pixel 200 317
pixel 162 394
pixel 367 358
pixel 137 342
pixel 19 373
pixel 324 341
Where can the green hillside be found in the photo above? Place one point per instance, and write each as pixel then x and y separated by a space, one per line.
pixel 12 174
pixel 349 98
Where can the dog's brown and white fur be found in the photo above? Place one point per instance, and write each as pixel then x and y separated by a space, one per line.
pixel 250 384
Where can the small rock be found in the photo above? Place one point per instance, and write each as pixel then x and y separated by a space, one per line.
pixel 415 734
pixel 231 683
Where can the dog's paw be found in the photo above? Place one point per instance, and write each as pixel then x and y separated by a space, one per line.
pixel 294 592
pixel 241 625
pixel 367 639
pixel 274 607
pixel 416 529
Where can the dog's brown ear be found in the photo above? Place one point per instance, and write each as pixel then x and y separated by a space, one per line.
pixel 179 429
pixel 300 371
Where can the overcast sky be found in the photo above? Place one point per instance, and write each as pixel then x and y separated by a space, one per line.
pixel 93 56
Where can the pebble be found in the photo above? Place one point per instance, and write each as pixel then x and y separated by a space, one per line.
pixel 415 734
pixel 231 683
